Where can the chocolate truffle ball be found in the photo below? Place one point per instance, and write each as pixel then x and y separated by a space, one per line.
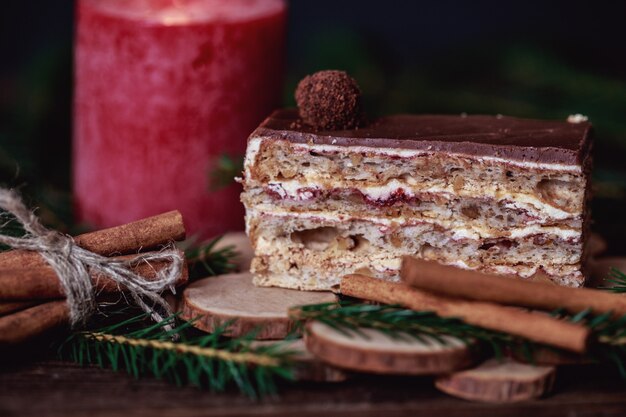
pixel 329 100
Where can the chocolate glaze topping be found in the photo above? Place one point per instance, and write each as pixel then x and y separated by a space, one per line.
pixel 524 140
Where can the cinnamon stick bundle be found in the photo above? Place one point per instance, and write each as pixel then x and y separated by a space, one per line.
pixel 128 238
pixel 533 326
pixel 30 319
pixel 473 285
pixel 25 275
pixel 37 283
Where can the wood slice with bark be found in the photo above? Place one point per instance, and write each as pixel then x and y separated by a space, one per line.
pixel 499 381
pixel 232 297
pixel 307 367
pixel 370 350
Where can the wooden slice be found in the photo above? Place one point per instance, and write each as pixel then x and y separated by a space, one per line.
pixel 240 243
pixel 307 366
pixel 373 351
pixel 216 300
pixel 499 381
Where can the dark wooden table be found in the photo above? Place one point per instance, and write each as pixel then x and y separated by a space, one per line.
pixel 51 388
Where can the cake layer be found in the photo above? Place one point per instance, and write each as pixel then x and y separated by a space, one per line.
pixel 485 217
pixel 557 189
pixel 320 249
pixel 277 269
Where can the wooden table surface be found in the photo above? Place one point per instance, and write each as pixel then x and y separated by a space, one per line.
pixel 52 388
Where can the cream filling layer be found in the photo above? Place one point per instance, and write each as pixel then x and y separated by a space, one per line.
pixel 254 145
pixel 458 233
pixel 301 191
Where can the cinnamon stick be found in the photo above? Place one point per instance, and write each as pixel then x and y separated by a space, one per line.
pixel 26 324
pixel 38 283
pixel 533 326
pixel 13 306
pixel 473 285
pixel 128 238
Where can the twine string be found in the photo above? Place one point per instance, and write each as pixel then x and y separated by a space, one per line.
pixel 73 265
pixel 205 351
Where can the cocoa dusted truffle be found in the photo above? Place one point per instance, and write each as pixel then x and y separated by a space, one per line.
pixel 329 100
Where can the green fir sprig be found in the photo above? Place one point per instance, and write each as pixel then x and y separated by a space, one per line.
pixel 183 355
pixel 617 279
pixel 206 260
pixel 399 323
pixel 608 333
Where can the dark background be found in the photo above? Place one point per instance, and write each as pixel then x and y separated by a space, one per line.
pixel 529 59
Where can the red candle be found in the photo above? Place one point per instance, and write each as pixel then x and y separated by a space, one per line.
pixel 163 90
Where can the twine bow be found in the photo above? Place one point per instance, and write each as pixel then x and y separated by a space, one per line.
pixel 73 265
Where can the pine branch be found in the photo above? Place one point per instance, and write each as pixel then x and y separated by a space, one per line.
pixel 204 260
pixel 206 360
pixel 618 279
pixel 207 352
pixel 397 322
pixel 609 334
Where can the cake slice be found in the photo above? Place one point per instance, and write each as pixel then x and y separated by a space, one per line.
pixel 497 194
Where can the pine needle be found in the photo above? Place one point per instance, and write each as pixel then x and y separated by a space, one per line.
pixel 208 361
pixel 618 280
pixel 205 260
pixel 397 323
pixel 608 333
pixel 196 350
